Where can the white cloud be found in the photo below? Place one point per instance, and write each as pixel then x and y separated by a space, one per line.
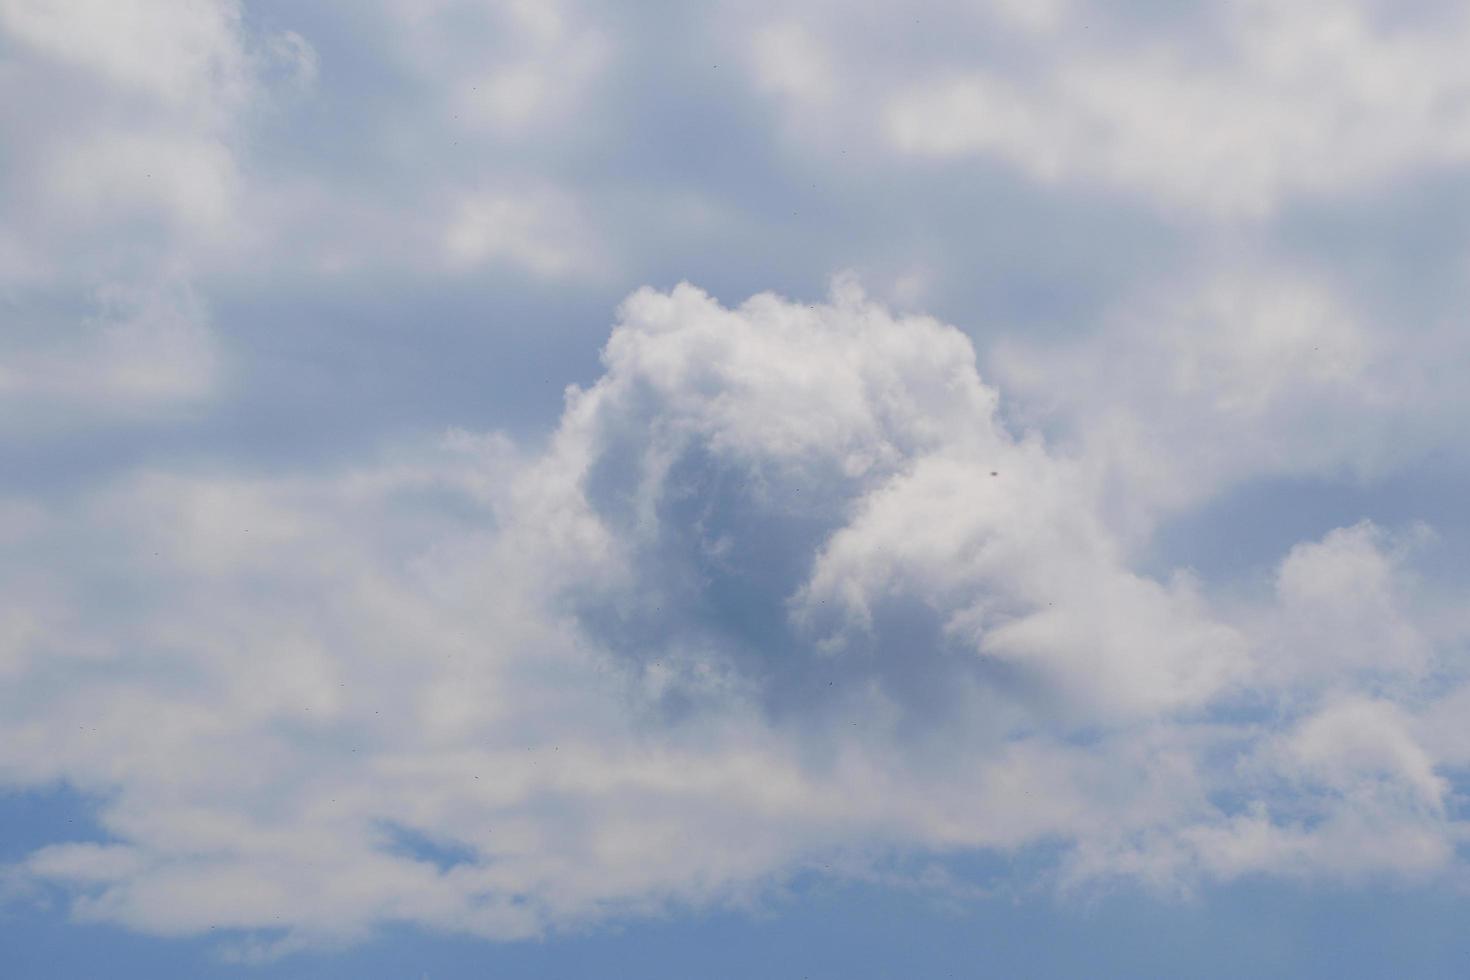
pixel 1308 98
pixel 1360 742
pixel 1346 791
pixel 191 183
pixel 760 603
pixel 789 62
pixel 510 68
pixel 123 177
pixel 1207 383
pixel 186 55
pixel 541 231
pixel 1224 111
pixel 1344 605
pixel 129 110
pixel 148 351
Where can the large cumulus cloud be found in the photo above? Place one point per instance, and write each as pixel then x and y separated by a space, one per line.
pixel 781 591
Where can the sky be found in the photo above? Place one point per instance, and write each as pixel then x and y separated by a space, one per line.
pixel 532 488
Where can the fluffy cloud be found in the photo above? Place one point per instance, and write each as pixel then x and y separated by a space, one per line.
pixel 190 56
pixel 780 590
pixel 788 62
pixel 141 123
pixel 1307 99
pixel 539 231
pixel 542 56
pixel 1226 110
pixel 1194 387
pixel 146 352
pixel 118 180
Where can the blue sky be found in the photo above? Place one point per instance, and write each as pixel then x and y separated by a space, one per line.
pixel 562 489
